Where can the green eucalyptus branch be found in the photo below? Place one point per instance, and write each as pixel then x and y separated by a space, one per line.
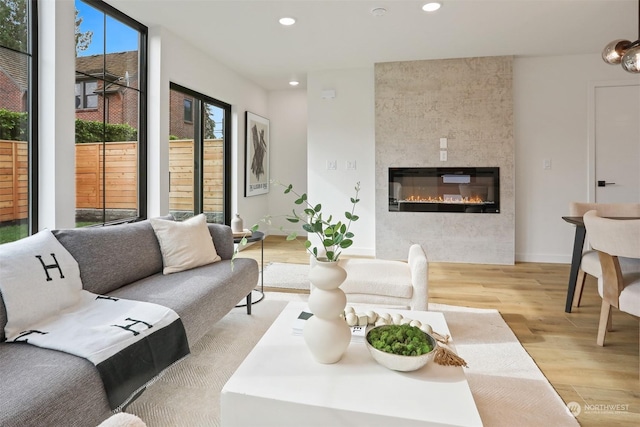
pixel 334 236
pixel 243 240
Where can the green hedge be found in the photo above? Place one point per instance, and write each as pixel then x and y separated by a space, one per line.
pixel 87 131
pixel 13 127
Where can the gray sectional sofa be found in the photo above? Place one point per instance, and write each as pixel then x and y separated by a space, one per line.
pixel 40 387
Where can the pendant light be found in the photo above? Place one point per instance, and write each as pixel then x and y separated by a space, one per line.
pixel 624 52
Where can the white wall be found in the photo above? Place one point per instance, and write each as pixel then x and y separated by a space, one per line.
pixel 288 153
pixel 173 60
pixel 56 174
pixel 342 129
pixel 551 122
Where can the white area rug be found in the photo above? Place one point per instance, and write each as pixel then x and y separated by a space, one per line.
pixel 286 276
pixel 507 386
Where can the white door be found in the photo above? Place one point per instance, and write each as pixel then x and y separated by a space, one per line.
pixel 617 143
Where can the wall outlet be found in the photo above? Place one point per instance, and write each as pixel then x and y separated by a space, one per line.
pixel 546 164
pixel 351 165
pixel 332 165
pixel 443 156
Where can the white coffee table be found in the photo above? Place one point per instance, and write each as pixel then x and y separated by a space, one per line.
pixel 279 384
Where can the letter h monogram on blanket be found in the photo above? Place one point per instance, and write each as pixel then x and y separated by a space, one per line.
pixel 129 352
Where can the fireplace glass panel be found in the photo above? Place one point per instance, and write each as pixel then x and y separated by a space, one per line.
pixel 465 190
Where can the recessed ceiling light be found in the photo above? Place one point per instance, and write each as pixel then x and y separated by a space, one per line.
pixel 294 83
pixel 378 11
pixel 431 7
pixel 287 20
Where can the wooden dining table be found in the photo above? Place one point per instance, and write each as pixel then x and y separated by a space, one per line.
pixel 576 257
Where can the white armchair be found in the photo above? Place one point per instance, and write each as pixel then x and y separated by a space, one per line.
pixel 393 283
pixel 614 239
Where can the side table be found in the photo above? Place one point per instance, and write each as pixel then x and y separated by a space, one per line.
pixel 256 236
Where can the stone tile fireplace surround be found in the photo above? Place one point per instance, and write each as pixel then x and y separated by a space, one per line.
pixel 470 102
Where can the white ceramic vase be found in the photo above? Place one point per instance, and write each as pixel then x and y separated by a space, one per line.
pixel 326 333
pixel 237 225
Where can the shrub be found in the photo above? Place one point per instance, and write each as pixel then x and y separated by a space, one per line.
pixel 13 125
pixel 91 131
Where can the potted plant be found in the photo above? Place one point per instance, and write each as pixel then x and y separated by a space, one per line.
pixel 326 333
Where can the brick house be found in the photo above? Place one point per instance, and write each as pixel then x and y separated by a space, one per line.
pixel 13 80
pixel 103 83
pixel 181 115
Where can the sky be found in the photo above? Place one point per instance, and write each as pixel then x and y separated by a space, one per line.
pixel 120 38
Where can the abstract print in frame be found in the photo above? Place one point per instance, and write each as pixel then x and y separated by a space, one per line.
pixel 256 155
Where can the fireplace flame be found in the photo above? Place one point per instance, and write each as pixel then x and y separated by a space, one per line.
pixel 473 200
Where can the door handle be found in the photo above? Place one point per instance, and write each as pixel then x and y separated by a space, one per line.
pixel 604 183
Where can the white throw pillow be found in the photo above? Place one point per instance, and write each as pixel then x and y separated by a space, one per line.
pixel 38 279
pixel 185 244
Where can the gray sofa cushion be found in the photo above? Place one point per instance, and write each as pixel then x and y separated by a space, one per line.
pixel 201 296
pixel 222 239
pixel 35 381
pixel 113 256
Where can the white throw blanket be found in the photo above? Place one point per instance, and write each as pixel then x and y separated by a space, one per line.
pixel 130 342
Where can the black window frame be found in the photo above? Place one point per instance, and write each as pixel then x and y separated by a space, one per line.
pixel 31 109
pixel 198 171
pixel 142 105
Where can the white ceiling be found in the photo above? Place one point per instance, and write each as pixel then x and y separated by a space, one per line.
pixel 332 34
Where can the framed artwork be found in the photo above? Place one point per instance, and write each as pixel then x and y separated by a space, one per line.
pixel 256 155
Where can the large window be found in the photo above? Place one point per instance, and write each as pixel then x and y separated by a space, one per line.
pixel 110 102
pixel 18 136
pixel 199 156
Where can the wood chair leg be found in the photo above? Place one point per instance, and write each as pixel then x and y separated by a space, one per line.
pixel 577 294
pixel 605 320
pixel 610 320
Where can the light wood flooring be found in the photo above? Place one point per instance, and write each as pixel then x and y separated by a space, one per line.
pixel 531 297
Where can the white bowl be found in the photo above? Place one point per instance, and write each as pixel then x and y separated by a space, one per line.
pixel 398 362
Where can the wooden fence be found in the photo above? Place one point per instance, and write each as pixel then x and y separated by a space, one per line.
pixel 120 175
pixel 121 159
pixel 181 175
pixel 14 180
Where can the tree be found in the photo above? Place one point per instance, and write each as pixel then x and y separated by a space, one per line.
pixel 13 27
pixel 83 40
pixel 13 24
pixel 209 123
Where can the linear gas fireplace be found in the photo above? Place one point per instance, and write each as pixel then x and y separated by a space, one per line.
pixel 467 190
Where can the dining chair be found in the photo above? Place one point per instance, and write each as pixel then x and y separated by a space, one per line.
pixel 612 239
pixel 590 264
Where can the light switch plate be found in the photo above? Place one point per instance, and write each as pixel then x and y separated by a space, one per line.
pixel 443 143
pixel 332 165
